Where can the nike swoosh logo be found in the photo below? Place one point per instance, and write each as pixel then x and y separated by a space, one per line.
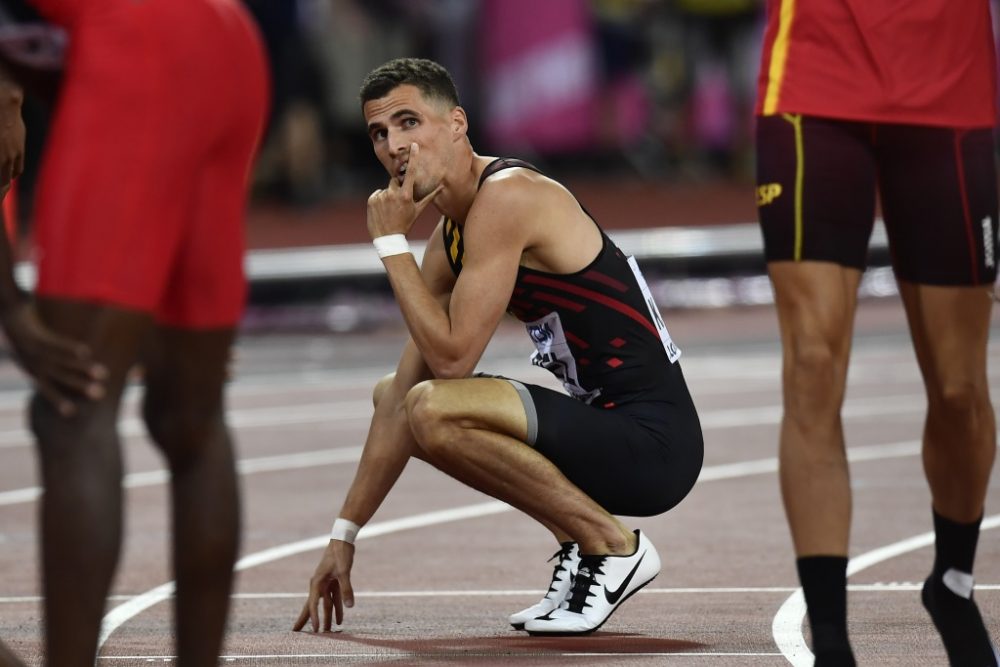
pixel 612 596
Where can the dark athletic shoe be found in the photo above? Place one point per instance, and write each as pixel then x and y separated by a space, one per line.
pixel 567 559
pixel 601 584
pixel 948 599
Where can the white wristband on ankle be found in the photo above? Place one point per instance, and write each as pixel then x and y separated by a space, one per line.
pixel 344 530
pixel 391 244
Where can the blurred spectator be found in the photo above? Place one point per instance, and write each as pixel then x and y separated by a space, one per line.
pixel 720 38
pixel 540 74
pixel 292 160
pixel 648 87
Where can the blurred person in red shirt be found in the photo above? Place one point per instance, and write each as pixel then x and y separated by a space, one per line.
pixel 139 240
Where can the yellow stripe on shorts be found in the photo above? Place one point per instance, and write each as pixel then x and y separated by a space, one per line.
pixel 800 168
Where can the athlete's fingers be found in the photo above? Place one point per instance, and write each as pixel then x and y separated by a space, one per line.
pixel 75 382
pixel 422 204
pixel 303 617
pixel 63 405
pixel 412 167
pixel 70 353
pixel 328 599
pixel 312 604
pixel 346 593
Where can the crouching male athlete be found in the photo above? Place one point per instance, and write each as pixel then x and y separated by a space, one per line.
pixel 627 439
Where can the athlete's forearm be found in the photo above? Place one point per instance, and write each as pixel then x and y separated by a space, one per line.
pixel 428 321
pixel 385 454
pixel 390 442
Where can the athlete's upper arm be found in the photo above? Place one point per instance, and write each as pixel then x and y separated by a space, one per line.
pixel 435 269
pixel 497 230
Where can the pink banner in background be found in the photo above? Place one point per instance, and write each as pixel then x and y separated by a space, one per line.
pixel 541 83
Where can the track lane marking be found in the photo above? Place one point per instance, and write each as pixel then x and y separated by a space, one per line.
pixel 786 627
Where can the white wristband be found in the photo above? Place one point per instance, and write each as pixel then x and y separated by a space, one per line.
pixel 344 530
pixel 391 244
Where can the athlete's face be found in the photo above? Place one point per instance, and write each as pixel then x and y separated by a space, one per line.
pixel 404 117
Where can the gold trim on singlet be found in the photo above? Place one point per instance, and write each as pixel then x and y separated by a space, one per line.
pixel 779 56
pixel 800 170
pixel 453 245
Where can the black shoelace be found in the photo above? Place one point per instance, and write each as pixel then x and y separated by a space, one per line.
pixel 564 554
pixel 586 579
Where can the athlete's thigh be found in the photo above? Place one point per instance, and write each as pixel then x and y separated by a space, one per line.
pixel 815 189
pixel 950 330
pixel 484 402
pixel 188 366
pixel 637 460
pixel 939 200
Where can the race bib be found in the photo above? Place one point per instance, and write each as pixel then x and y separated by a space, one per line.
pixel 673 352
pixel 553 354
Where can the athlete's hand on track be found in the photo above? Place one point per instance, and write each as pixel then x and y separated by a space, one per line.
pixel 393 210
pixel 331 583
pixel 63 370
pixel 11 135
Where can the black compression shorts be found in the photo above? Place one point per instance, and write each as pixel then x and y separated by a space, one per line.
pixel 816 184
pixel 637 459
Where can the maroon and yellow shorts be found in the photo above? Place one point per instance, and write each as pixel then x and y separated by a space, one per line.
pixel 817 181
pixel 143 186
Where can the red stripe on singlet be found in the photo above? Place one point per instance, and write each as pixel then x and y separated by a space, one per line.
pixel 614 304
pixel 599 277
pixel 559 301
pixel 965 206
pixel 576 340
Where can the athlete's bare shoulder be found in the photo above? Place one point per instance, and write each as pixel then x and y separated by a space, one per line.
pixel 556 233
pixel 521 190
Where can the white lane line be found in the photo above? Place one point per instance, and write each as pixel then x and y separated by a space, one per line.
pixel 122 613
pixel 787 624
pixel 854 454
pixel 326 412
pixel 353 454
pixel 893 587
pixel 244 467
pixel 284 415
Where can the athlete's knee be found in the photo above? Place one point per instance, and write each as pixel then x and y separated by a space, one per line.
pixel 181 429
pixel 429 416
pixel 91 426
pixel 959 400
pixel 814 376
pixel 381 387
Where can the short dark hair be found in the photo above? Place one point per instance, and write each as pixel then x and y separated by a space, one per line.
pixel 429 77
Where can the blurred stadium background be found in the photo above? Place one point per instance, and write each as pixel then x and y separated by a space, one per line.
pixel 644 108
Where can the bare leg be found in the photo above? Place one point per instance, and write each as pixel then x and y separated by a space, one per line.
pixel 475 430
pixel 380 389
pixel 816 303
pixel 81 471
pixel 183 409
pixel 950 329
